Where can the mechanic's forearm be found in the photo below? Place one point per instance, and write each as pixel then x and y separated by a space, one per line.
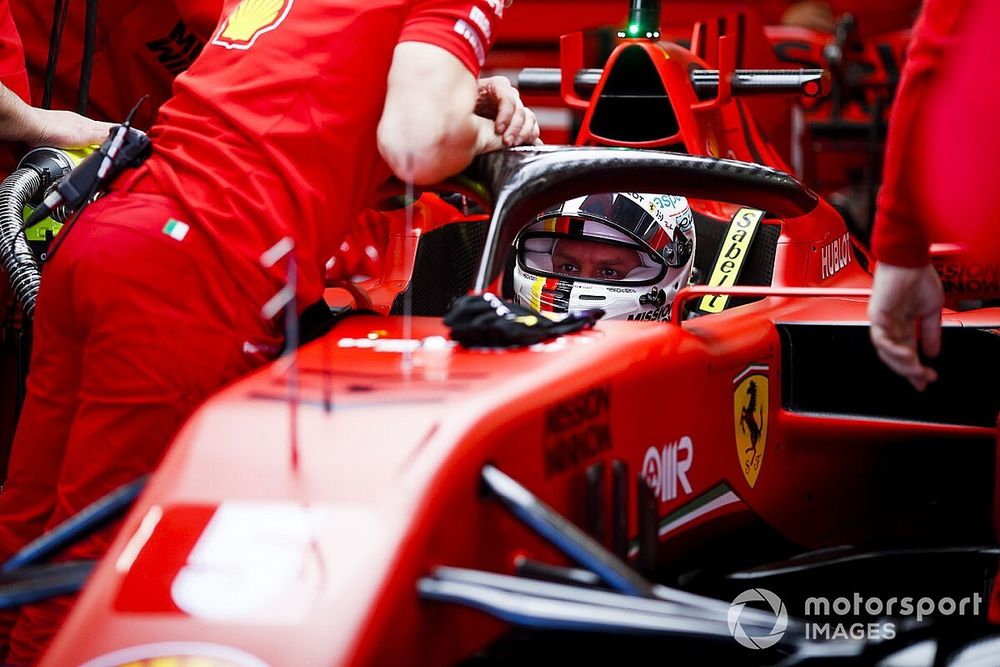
pixel 432 155
pixel 456 150
pixel 45 127
pixel 429 130
pixel 16 119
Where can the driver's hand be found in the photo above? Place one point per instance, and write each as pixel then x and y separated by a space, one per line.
pixel 906 301
pixel 500 102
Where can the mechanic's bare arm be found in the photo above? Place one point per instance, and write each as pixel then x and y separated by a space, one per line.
pixel 429 128
pixel 41 127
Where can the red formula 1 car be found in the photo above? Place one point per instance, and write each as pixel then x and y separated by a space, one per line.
pixel 387 496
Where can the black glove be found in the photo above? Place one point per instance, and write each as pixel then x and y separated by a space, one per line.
pixel 484 320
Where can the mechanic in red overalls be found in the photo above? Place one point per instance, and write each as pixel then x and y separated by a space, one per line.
pixel 291 117
pixel 12 72
pixel 940 181
pixel 907 296
pixel 22 123
pixel 139 47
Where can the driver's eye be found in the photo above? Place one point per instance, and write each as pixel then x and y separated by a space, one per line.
pixel 608 273
pixel 569 268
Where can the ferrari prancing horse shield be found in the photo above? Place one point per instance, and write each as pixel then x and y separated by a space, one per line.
pixel 750 407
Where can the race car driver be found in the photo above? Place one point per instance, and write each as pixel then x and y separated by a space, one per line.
pixel 278 134
pixel 625 253
pixel 905 308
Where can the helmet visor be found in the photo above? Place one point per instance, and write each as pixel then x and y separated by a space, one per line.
pixel 602 255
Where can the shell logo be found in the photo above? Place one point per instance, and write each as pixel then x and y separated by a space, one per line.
pixel 250 20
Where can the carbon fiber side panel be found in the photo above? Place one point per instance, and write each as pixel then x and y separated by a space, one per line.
pixel 444 268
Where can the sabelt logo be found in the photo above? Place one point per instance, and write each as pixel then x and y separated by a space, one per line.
pixel 732 254
pixel 250 20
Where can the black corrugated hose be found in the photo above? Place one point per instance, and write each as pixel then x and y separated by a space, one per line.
pixel 18 261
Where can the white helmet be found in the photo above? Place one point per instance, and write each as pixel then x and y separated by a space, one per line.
pixel 626 253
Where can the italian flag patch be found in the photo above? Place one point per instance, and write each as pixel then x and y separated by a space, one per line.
pixel 176 229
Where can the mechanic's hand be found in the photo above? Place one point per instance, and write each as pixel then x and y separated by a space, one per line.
pixel 813 14
pixel 38 127
pixel 905 300
pixel 63 129
pixel 500 102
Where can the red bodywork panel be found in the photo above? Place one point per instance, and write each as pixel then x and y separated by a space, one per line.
pixel 317 563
